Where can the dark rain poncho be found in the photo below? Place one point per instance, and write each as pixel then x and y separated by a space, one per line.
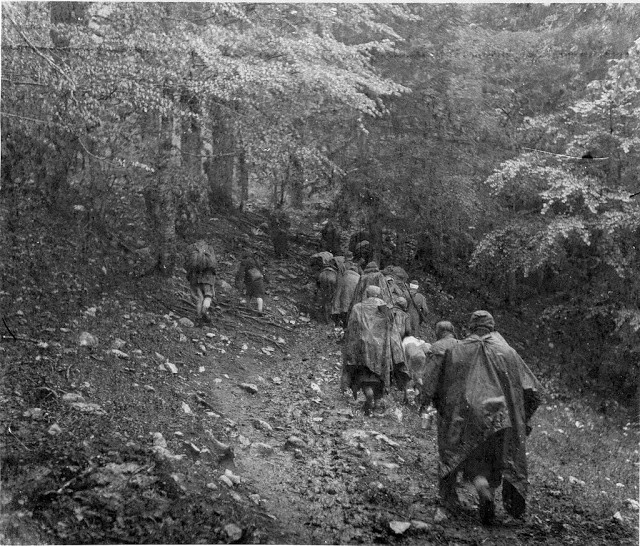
pixel 372 276
pixel 345 291
pixel 396 281
pixel 320 260
pixel 338 263
pixel 433 366
pixel 367 350
pixel 399 274
pixel 417 310
pixel 484 387
pixel 400 328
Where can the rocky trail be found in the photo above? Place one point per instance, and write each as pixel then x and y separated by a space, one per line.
pixel 127 423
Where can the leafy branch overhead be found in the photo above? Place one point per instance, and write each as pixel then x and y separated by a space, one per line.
pixel 570 197
pixel 270 67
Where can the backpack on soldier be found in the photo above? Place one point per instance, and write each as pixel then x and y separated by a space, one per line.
pixel 201 258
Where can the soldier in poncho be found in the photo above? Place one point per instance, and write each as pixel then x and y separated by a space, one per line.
pixel 326 283
pixel 445 339
pixel 349 259
pixel 417 307
pixel 372 276
pixel 394 289
pixel 485 396
pixel 366 355
pixel 400 328
pixel 279 225
pixel 318 261
pixel 396 278
pixel 345 291
pixel 330 237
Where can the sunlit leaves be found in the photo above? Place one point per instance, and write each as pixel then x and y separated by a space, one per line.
pixel 271 68
pixel 566 196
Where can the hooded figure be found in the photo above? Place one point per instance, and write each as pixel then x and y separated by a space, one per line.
pixel 366 357
pixel 330 237
pixel 279 225
pixel 372 276
pixel 445 339
pixel 362 251
pixel 396 281
pixel 485 396
pixel 350 263
pixel 344 294
pixel 326 287
pixel 400 328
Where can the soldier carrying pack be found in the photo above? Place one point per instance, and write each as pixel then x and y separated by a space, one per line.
pixel 201 273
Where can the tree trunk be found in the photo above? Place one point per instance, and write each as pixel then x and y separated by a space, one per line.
pixel 9 212
pixel 295 176
pixel 57 168
pixel 243 176
pixel 160 198
pixel 375 233
pixel 512 287
pixel 161 214
pixel 191 147
pixel 219 168
pixel 191 139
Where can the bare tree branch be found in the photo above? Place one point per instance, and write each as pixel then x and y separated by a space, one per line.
pixel 563 155
pixel 22 117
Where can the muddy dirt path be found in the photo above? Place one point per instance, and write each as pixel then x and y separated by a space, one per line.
pixel 330 475
pixel 321 470
pixel 325 474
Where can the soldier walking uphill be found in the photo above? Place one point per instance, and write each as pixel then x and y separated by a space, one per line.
pixel 372 276
pixel 400 328
pixel 396 278
pixel 201 274
pixel 445 336
pixel 251 273
pixel 485 396
pixel 330 238
pixel 345 291
pixel 417 307
pixel 279 225
pixel 366 354
pixel 326 286
pixel 350 263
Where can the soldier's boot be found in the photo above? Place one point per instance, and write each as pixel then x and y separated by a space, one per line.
pixel 487 505
pixel 447 490
pixel 369 402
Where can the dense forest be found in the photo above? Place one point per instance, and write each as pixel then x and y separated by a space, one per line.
pixel 490 150
pixel 492 147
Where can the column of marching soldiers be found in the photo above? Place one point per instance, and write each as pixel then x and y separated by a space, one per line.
pixel 479 389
